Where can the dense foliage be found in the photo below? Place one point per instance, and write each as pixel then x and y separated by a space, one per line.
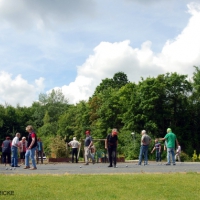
pixel 154 104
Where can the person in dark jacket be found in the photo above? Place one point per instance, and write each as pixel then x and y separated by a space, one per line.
pixel 111 143
pixel 6 150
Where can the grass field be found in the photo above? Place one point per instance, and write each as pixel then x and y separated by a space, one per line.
pixel 92 187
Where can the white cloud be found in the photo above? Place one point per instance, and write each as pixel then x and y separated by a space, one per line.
pixel 178 55
pixel 17 90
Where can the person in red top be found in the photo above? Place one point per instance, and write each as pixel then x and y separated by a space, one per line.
pixel 22 147
pixel 31 148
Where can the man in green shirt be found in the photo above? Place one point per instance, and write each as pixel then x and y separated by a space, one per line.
pixel 171 139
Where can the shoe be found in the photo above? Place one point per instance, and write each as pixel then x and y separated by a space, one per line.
pixel 93 162
pixel 86 164
pixel 33 168
pixel 167 164
pixel 174 163
pixel 110 166
pixel 115 166
pixel 138 164
pixel 27 167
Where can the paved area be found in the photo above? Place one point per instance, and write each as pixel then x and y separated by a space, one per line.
pixel 102 168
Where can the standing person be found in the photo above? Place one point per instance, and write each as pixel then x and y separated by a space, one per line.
pixel 22 147
pixel 6 150
pixel 145 141
pixel 111 143
pixel 87 148
pixel 178 152
pixel 157 147
pixel 31 148
pixel 14 150
pixel 39 150
pixel 75 146
pixel 171 139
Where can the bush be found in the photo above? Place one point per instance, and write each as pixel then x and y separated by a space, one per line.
pixel 58 147
pixel 184 157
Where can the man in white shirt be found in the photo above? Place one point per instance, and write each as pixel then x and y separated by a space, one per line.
pixel 75 145
pixel 14 148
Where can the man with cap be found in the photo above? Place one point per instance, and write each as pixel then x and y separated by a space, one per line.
pixel 6 150
pixel 75 145
pixel 145 141
pixel 87 148
pixel 111 143
pixel 171 139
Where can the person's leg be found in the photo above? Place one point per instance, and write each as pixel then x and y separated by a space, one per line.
pixel 110 156
pixel 9 158
pixel 157 156
pixel 146 155
pixel 173 156
pixel 12 156
pixel 27 155
pixel 4 158
pixel 32 154
pixel 168 155
pixel 76 154
pixel 179 158
pixel 140 155
pixel 73 153
pixel 114 153
pixel 86 151
pixel 41 152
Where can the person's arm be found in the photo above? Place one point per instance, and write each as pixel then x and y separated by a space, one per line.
pixel 106 143
pixel 153 150
pixel 177 143
pixel 91 143
pixel 161 139
pixel 160 148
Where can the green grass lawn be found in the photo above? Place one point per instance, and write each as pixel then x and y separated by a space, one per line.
pixel 92 187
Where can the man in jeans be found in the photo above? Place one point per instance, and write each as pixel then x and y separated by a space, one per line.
pixel 87 148
pixel 170 138
pixel 145 141
pixel 14 150
pixel 31 148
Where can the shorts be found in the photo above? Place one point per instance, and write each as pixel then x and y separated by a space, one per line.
pixel 22 155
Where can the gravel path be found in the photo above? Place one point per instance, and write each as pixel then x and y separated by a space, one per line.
pixel 102 168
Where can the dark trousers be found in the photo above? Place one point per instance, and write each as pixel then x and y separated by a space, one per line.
pixel 40 154
pixel 7 156
pixel 74 153
pixel 112 152
pixel 158 156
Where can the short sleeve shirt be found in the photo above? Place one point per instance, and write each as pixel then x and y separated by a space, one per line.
pixel 171 138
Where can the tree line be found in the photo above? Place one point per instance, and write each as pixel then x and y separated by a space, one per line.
pixel 154 104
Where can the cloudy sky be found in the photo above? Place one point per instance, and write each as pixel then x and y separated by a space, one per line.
pixel 74 44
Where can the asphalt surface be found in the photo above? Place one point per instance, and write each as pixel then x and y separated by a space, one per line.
pixel 102 168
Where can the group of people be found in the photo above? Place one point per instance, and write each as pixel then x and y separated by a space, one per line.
pixel 170 140
pixel 27 149
pixel 111 143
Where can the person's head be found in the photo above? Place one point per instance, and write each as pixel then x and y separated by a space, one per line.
pixel 74 138
pixel 18 135
pixel 7 138
pixel 169 130
pixel 29 128
pixel 38 139
pixel 143 132
pixel 156 140
pixel 23 138
pixel 87 133
pixel 114 131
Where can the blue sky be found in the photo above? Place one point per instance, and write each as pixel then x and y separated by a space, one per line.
pixel 73 44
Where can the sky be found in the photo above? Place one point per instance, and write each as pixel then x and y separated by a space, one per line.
pixel 72 45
